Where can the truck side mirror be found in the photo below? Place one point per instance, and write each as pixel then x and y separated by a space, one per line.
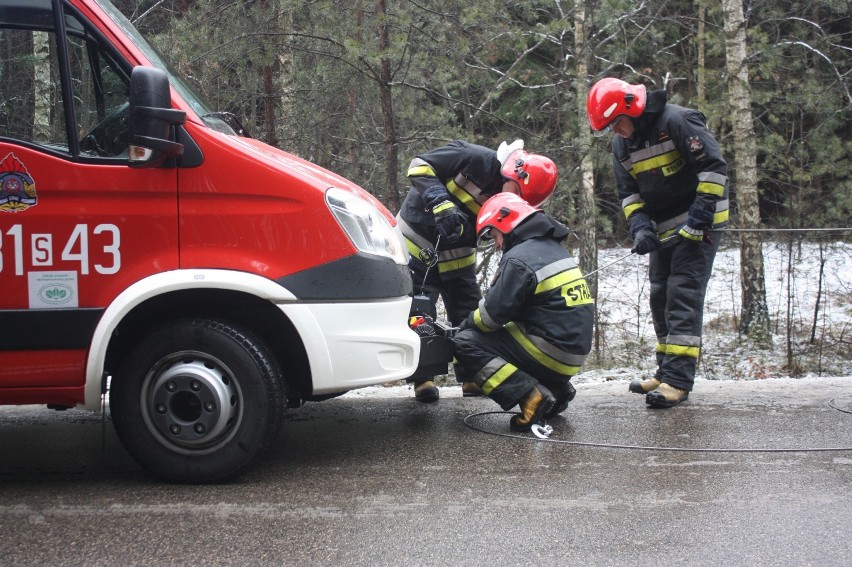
pixel 152 118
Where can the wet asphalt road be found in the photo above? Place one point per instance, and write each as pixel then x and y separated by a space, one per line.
pixel 388 481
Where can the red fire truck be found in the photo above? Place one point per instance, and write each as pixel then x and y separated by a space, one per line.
pixel 155 256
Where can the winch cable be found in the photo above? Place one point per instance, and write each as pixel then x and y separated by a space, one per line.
pixel 832 406
pixel 467 419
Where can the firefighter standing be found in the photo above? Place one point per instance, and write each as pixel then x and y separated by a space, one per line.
pixel 438 220
pixel 532 331
pixel 672 180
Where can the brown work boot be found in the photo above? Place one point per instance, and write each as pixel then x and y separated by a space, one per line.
pixel 471 390
pixel 644 386
pixel 426 392
pixel 533 407
pixel 666 396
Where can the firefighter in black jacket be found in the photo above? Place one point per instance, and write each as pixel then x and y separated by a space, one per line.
pixel 532 331
pixel 673 182
pixel 438 220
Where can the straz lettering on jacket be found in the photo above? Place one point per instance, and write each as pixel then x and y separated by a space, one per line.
pixel 577 294
pixel 661 158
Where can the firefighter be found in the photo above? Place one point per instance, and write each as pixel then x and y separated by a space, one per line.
pixel 673 184
pixel 531 333
pixel 438 221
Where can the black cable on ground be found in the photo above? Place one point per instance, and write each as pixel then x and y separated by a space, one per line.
pixel 832 406
pixel 650 448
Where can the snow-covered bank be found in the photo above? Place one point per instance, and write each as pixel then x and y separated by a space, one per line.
pixel 616 385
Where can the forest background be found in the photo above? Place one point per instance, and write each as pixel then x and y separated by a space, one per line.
pixel 362 86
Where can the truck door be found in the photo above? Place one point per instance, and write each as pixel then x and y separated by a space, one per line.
pixel 77 224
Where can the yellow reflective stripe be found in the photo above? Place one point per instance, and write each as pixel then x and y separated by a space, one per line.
pixel 721 217
pixel 661 348
pixel 421 171
pixel 711 189
pixel 558 280
pixel 680 350
pixel 630 209
pixel 656 162
pixel 477 320
pixel 466 198
pixel 442 207
pixel 413 248
pixel 689 236
pixel 498 378
pixel 457 264
pixel 536 353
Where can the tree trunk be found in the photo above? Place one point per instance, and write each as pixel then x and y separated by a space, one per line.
pixel 755 313
pixel 390 142
pixel 586 210
pixel 586 207
pixel 701 69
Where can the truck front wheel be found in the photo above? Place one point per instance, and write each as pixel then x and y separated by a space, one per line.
pixel 196 401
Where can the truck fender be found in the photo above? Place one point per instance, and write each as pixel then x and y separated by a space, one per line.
pixel 158 284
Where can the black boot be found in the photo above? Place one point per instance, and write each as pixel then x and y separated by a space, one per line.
pixel 533 407
pixel 471 390
pixel 426 392
pixel 564 392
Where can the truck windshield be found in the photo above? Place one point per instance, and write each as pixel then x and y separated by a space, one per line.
pixel 211 119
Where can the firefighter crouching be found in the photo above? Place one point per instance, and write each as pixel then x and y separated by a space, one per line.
pixel 531 333
pixel 449 184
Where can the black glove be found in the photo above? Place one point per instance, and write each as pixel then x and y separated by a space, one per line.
pixel 699 217
pixel 645 241
pixel 698 223
pixel 466 323
pixel 449 221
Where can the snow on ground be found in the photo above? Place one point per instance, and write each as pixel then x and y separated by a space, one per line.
pixel 807 284
pixel 721 391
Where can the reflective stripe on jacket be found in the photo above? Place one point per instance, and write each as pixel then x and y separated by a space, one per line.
pixel 671 162
pixel 540 297
pixel 469 173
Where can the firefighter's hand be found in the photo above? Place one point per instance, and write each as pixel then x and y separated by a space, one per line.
pixel 449 221
pixel 694 235
pixel 467 323
pixel 645 241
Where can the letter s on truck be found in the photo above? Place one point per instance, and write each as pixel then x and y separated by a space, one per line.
pixel 154 253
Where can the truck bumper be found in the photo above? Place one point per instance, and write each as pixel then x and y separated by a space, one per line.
pixel 356 344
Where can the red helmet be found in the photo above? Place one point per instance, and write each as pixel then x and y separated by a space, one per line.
pixel 504 212
pixel 536 175
pixel 610 98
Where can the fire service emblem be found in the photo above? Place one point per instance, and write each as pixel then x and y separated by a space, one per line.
pixel 17 187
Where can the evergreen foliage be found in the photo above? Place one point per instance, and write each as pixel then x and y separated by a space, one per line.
pixel 306 76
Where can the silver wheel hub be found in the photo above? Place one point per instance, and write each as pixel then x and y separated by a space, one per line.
pixel 192 402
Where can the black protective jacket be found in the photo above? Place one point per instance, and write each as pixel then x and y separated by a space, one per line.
pixel 671 171
pixel 540 296
pixel 469 173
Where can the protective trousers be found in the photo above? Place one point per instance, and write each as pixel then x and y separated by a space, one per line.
pixel 500 366
pixel 678 276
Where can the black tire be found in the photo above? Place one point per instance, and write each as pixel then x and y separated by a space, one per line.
pixel 196 401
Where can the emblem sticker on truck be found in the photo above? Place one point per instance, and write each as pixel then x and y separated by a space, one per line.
pixel 52 289
pixel 17 187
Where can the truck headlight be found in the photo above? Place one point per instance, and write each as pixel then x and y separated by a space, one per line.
pixel 367 228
